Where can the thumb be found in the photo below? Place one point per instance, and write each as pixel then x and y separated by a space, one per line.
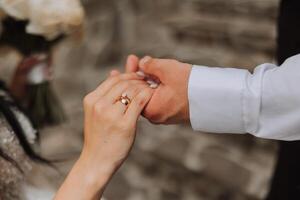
pixel 132 63
pixel 156 67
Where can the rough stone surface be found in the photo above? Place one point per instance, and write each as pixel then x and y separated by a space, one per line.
pixel 167 162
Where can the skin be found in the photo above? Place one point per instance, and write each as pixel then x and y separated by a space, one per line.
pixel 169 103
pixel 109 133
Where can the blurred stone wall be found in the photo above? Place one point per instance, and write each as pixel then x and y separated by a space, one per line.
pixel 213 32
pixel 167 162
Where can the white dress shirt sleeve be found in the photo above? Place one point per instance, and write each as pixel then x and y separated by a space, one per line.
pixel 265 103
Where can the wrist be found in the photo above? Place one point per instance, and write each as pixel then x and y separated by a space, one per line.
pixel 84 181
pixel 186 112
pixel 94 173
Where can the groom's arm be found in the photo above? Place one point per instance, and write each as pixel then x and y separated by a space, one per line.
pixel 225 100
pixel 265 103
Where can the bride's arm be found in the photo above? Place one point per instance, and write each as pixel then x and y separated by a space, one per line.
pixel 84 183
pixel 109 132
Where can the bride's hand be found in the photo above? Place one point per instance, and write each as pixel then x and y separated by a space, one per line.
pixel 109 133
pixel 109 125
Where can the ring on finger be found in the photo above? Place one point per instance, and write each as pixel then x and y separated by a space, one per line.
pixel 124 99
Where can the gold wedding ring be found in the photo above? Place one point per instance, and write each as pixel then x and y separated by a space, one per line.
pixel 124 99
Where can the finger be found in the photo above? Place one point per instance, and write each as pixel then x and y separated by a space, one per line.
pixel 106 86
pixel 112 81
pixel 114 72
pixel 157 67
pixel 122 88
pixel 137 105
pixel 132 63
pixel 130 92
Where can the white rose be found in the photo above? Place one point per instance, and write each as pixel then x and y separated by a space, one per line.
pixel 15 8
pixel 49 18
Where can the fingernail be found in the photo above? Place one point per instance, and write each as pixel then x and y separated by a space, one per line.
pixel 150 82
pixel 141 74
pixel 145 60
pixel 153 85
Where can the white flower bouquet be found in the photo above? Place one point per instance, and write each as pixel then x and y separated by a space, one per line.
pixel 48 18
pixel 33 27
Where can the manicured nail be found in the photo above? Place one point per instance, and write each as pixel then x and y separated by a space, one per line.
pixel 145 60
pixel 141 74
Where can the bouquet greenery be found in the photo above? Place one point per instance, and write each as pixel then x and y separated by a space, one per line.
pixel 40 100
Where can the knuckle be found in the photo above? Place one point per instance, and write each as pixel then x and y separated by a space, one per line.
pixel 126 84
pixel 88 100
pixel 142 98
pixel 115 78
pixel 160 63
pixel 99 107
pixel 110 78
pixel 137 89
pixel 127 76
pixel 149 63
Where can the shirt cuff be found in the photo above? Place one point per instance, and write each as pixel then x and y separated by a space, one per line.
pixel 216 99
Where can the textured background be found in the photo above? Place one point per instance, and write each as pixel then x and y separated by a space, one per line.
pixel 167 162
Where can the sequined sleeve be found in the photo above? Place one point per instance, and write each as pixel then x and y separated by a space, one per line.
pixel 10 176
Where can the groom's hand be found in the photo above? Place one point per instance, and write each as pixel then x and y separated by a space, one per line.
pixel 169 103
